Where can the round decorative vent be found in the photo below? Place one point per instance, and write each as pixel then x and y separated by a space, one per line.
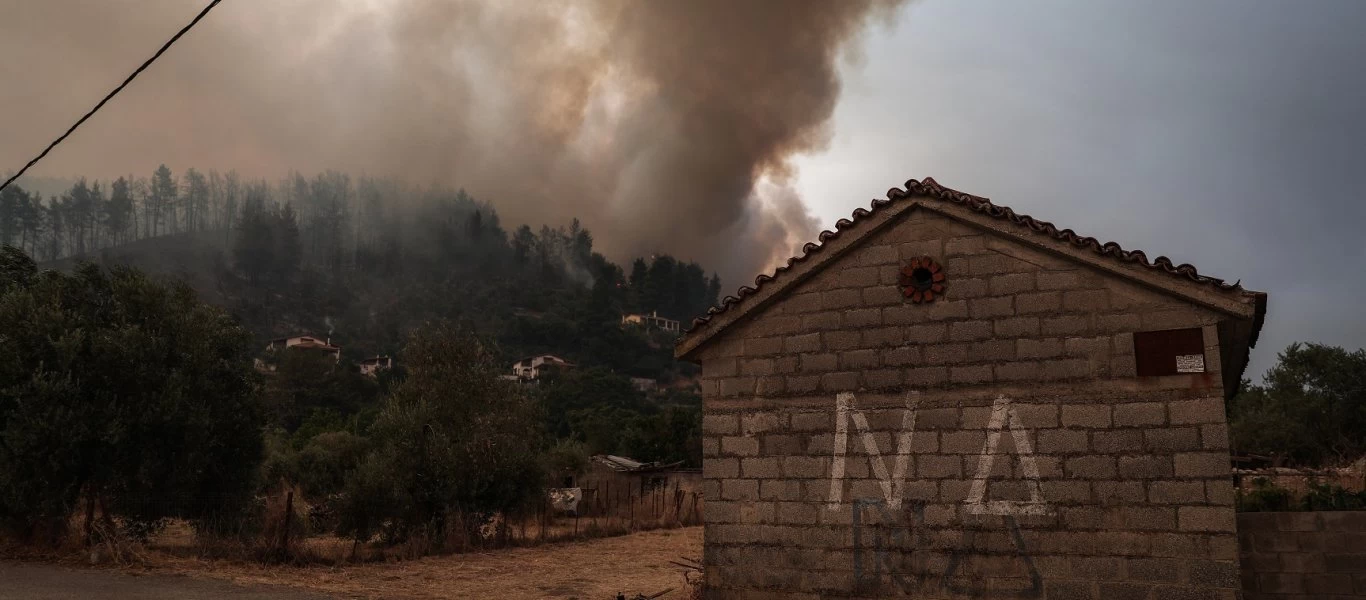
pixel 922 280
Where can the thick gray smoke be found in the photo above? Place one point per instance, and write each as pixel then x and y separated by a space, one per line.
pixel 665 126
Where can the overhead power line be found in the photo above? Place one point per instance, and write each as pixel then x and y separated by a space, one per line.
pixel 111 95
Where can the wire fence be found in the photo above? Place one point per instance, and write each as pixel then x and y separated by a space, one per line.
pixel 285 526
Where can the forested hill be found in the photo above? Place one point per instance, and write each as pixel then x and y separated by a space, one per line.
pixel 365 261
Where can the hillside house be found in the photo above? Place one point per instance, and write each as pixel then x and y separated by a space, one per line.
pixel 652 320
pixel 644 384
pixel 943 398
pixel 305 343
pixel 534 367
pixel 373 365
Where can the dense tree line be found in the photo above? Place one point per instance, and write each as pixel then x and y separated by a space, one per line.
pixel 89 216
pixel 301 251
pixel 1309 411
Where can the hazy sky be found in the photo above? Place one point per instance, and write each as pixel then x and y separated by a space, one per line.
pixel 649 121
pixel 1224 134
pixel 1220 133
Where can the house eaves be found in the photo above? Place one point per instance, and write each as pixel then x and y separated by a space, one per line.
pixel 1161 274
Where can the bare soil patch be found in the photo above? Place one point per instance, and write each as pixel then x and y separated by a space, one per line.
pixel 587 570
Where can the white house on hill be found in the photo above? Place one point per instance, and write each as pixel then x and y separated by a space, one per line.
pixel 534 367
pixel 644 384
pixel 305 342
pixel 651 320
pixel 373 365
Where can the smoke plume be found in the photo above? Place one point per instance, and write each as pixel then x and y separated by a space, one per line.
pixel 666 126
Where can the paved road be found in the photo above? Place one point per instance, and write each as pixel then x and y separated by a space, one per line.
pixel 32 581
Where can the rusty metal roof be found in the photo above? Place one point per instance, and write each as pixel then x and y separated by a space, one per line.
pixel 931 189
pixel 626 465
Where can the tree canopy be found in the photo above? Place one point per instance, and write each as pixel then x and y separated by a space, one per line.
pixel 118 388
pixel 451 437
pixel 1310 411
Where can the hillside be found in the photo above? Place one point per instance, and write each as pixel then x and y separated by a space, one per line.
pixel 195 258
pixel 365 262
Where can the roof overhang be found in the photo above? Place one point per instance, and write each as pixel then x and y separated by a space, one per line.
pixel 1181 281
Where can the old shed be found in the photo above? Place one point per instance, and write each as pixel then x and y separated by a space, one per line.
pixel 944 398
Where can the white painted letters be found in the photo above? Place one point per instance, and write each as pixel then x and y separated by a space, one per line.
pixel 893 484
pixel 1003 415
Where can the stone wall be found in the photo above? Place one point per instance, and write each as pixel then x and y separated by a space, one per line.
pixel 994 443
pixel 1303 555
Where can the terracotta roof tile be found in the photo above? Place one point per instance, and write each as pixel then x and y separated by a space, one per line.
pixel 930 188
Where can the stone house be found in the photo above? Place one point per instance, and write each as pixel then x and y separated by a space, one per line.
pixel 944 398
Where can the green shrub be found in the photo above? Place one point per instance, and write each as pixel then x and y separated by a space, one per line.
pixel 1268 497
pixel 1328 496
pixel 323 463
pixel 1264 497
pixel 452 439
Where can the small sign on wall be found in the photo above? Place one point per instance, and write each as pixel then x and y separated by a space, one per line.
pixel 1169 352
pixel 1190 363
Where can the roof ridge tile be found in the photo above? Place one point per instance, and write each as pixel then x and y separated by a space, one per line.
pixel 930 188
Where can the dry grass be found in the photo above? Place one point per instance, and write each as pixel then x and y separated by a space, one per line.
pixel 594 569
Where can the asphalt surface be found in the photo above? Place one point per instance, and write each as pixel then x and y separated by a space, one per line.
pixel 35 581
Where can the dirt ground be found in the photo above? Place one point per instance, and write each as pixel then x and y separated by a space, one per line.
pixel 47 581
pixel 594 569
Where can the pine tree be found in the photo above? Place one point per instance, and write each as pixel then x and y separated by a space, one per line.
pixel 232 190
pixel 640 272
pixel 195 198
pixel 714 290
pixel 76 206
pixel 164 200
pixel 288 250
pixel 10 206
pixel 31 221
pixel 118 212
pixel 91 216
pixel 255 238
pixel 52 213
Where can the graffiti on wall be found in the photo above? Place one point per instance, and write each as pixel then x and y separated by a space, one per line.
pixel 893 484
pixel 1004 415
pixel 889 533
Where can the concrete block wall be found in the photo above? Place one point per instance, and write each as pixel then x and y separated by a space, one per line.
pixel 1303 555
pixel 995 442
